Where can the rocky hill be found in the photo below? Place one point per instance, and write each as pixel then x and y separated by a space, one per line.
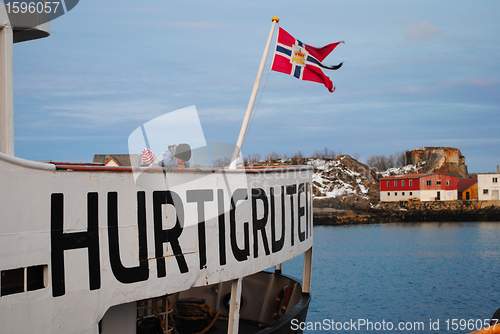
pixel 343 183
pixel 344 179
pixel 346 191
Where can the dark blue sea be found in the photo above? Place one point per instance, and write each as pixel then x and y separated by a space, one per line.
pixel 403 277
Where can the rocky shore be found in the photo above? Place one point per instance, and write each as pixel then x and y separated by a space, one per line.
pixel 334 213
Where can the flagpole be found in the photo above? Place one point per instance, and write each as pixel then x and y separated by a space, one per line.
pixel 248 113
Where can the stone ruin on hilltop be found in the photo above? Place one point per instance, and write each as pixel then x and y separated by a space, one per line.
pixel 448 160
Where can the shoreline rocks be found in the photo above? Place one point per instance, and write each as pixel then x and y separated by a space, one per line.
pixel 449 211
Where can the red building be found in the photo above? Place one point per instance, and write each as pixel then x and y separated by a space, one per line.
pixel 422 187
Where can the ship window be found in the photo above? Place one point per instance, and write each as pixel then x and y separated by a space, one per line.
pixel 35 277
pixel 12 281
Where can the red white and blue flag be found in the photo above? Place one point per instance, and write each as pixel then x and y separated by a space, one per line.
pixel 302 61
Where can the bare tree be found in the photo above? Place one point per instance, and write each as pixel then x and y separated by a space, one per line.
pixel 317 155
pixel 273 157
pixel 325 154
pixel 256 158
pixel 328 154
pixel 251 159
pixel 390 161
pixel 381 162
pixel 224 162
pixel 400 159
pixel 298 158
pixel 377 161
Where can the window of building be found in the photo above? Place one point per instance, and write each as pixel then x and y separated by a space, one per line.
pixel 495 180
pixel 448 182
pixel 395 193
pixel 388 183
pixel 485 191
pixel 410 182
pixel 438 182
pixel 403 193
pixel 411 193
pixel 429 182
pixel 402 183
pixel 389 194
pixel 395 183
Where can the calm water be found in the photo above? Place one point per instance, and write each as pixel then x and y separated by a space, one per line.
pixel 404 272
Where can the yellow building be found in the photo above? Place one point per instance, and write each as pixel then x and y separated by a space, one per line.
pixel 467 189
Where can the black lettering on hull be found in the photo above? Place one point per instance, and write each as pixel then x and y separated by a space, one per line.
pixel 259 224
pixel 277 244
pixel 291 190
pixel 61 241
pixel 201 196
pixel 171 235
pixel 222 227
pixel 263 210
pixel 121 273
pixel 301 212
pixel 240 254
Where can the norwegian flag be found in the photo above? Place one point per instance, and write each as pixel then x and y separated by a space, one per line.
pixel 302 61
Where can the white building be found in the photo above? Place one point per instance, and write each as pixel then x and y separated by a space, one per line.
pixel 488 187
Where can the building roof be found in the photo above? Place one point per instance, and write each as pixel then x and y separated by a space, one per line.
pixel 120 159
pixel 465 184
pixel 411 176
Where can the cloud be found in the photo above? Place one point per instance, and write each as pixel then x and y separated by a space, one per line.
pixel 472 81
pixel 483 82
pixel 196 25
pixel 89 114
pixel 422 31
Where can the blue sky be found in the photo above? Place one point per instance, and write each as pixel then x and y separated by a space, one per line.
pixel 416 73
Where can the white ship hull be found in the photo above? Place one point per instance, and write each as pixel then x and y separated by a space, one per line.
pixel 77 240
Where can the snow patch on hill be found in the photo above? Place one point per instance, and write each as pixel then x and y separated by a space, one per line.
pixel 408 169
pixel 341 177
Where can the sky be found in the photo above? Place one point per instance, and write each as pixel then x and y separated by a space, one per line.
pixel 415 74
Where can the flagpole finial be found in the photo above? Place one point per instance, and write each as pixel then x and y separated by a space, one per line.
pixel 275 19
